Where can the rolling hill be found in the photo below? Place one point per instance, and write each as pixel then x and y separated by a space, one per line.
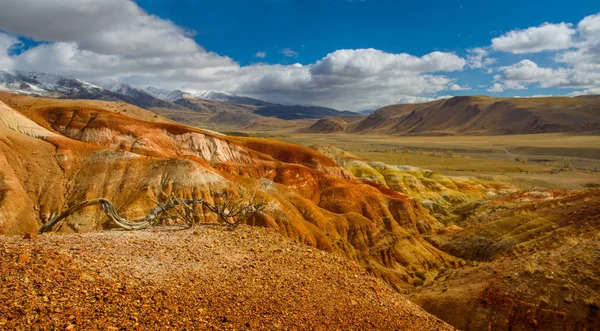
pixel 481 115
pixel 327 125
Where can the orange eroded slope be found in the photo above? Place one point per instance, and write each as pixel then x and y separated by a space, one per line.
pixel 85 152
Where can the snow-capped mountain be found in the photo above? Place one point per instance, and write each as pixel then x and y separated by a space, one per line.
pixel 139 97
pixel 228 97
pixel 175 95
pixel 164 94
pixel 48 85
pixel 42 84
pixel 122 88
pixel 214 95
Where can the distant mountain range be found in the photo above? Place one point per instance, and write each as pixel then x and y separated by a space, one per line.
pixel 299 112
pixel 227 108
pixel 474 115
pixel 34 83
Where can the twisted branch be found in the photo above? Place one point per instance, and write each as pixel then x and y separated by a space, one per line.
pixel 231 213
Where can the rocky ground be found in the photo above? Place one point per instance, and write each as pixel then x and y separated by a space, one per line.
pixel 532 263
pixel 203 278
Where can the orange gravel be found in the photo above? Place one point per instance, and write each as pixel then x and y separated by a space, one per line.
pixel 170 279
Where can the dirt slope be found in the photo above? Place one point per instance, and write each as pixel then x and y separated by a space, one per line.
pixel 249 279
pixel 91 152
pixel 534 264
pixel 29 106
pixel 485 116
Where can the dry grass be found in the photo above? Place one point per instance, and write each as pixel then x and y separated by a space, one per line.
pixel 531 267
pixel 498 157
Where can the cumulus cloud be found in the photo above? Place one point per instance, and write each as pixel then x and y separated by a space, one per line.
pixel 527 72
pixel 496 88
pixel 419 99
pixel 7 43
pixel 260 55
pixel 576 67
pixel 591 91
pixel 364 63
pixel 113 27
pixel 456 87
pixel 534 96
pixel 289 52
pixel 587 54
pixel 101 38
pixel 477 58
pixel 546 37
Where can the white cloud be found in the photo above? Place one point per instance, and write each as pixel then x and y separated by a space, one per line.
pixel 364 63
pixel 261 55
pixel 413 99
pixel 546 37
pixel 587 55
pixel 7 43
pixel 68 59
pixel 575 67
pixel 534 96
pixel 477 58
pixel 527 72
pixel 289 52
pixel 591 91
pixel 420 99
pixel 496 88
pixel 456 87
pixel 589 27
pixel 115 27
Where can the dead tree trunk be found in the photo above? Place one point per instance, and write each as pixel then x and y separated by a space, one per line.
pixel 230 212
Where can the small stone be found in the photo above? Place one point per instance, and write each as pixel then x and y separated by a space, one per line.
pixel 378 290
pixel 30 235
pixel 71 327
pixel 23 258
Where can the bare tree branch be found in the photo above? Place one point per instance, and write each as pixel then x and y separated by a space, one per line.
pixel 231 212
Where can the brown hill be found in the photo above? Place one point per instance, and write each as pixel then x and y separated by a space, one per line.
pixel 327 125
pixel 192 280
pixel 71 154
pixel 29 105
pixel 226 116
pixel 485 116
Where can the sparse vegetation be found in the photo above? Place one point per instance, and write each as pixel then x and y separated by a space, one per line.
pixel 531 267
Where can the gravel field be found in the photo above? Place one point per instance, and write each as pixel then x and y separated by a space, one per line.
pixel 204 278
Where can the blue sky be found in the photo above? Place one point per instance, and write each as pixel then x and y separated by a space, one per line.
pixel 339 53
pixel 239 29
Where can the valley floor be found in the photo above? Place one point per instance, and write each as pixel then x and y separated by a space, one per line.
pixel 553 161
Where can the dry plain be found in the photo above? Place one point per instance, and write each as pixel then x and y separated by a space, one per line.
pixel 567 161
